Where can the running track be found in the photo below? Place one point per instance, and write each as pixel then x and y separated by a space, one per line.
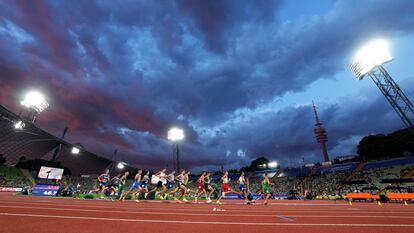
pixel 41 214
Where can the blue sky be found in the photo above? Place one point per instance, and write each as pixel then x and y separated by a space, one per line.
pixel 238 76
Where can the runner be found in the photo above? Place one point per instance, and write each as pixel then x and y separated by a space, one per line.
pixel 103 180
pixel 144 184
pixel 200 187
pixel 158 179
pixel 216 190
pixel 242 188
pixel 122 183
pixel 114 187
pixel 137 182
pixel 208 187
pixel 249 195
pixel 179 180
pixel 183 187
pixel 169 185
pixel 265 188
pixel 225 187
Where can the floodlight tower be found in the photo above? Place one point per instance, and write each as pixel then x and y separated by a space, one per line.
pixel 369 61
pixel 320 134
pixel 176 135
pixel 35 103
pixel 58 149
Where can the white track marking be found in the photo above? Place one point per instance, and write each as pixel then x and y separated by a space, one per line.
pixel 37 199
pixel 191 208
pixel 213 215
pixel 212 223
pixel 228 202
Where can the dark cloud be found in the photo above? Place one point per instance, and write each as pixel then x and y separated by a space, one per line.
pixel 215 19
pixel 119 74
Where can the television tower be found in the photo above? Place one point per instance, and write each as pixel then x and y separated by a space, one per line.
pixel 320 134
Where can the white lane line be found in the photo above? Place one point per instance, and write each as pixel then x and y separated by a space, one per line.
pixel 228 202
pixel 211 223
pixel 285 218
pixel 193 209
pixel 213 215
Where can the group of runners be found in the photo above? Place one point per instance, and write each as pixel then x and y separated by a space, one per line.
pixel 176 186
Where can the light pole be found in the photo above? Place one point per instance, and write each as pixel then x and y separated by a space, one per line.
pixel 176 135
pixel 369 61
pixel 35 102
pixel 58 149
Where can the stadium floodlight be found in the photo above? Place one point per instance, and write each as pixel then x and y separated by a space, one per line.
pixel 75 150
pixel 272 164
pixel 175 134
pixel 120 165
pixel 369 61
pixel 19 125
pixel 36 101
pixel 370 56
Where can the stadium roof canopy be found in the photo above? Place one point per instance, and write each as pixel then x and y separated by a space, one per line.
pixel 35 143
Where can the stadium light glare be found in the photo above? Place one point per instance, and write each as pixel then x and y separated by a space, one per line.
pixel 373 54
pixel 19 125
pixel 175 134
pixel 75 150
pixel 35 100
pixel 120 165
pixel 272 164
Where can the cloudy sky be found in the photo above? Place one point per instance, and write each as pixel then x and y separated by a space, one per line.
pixel 238 76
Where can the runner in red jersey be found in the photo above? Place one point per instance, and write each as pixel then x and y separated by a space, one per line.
pixel 200 187
pixel 225 188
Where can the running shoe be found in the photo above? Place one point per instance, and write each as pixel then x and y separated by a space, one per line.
pixel 145 195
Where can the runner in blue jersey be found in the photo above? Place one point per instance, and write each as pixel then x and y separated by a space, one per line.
pixel 144 184
pixel 103 180
pixel 134 187
pixel 179 180
pixel 169 185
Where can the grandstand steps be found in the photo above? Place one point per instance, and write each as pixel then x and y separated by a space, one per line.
pixel 28 176
pixel 359 168
pixel 314 170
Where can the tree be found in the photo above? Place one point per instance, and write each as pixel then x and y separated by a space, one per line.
pixel 233 171
pixel 246 169
pixel 2 159
pixel 259 163
pixel 376 147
